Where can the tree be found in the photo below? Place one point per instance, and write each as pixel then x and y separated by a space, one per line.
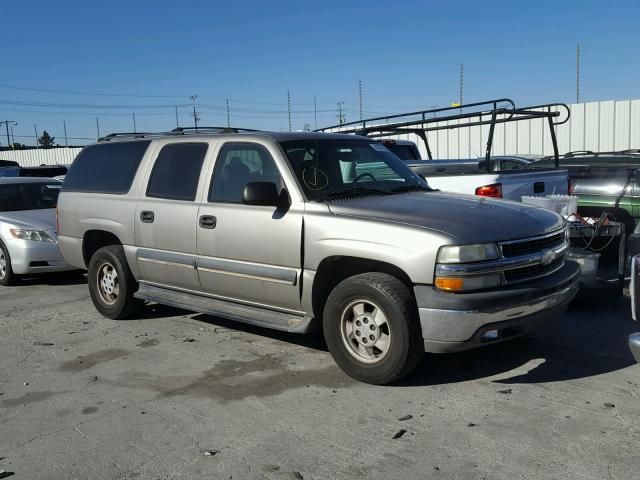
pixel 46 140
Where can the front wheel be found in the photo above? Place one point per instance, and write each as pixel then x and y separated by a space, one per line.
pixel 7 277
pixel 111 283
pixel 371 328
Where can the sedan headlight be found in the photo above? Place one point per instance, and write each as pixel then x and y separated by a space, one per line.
pixel 34 235
pixel 468 253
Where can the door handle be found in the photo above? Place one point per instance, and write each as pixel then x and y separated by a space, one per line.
pixel 147 216
pixel 207 221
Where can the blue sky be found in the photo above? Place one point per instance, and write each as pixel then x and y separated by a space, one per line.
pixel 156 54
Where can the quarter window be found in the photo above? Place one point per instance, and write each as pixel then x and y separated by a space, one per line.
pixel 105 167
pixel 176 172
pixel 239 164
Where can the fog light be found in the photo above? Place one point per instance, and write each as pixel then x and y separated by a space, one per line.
pixel 491 335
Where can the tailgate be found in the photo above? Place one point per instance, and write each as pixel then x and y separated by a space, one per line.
pixel 536 183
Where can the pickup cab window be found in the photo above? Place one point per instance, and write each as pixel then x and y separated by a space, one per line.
pixel 176 172
pixel 238 164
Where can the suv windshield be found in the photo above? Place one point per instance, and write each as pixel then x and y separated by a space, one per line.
pixel 331 169
pixel 28 196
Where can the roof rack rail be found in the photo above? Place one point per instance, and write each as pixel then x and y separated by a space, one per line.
pixel 489 112
pixel 209 129
pixel 175 131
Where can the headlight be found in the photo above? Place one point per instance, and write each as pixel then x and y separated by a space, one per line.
pixel 468 253
pixel 34 235
pixel 460 284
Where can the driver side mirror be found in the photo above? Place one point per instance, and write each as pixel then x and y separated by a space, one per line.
pixel 263 194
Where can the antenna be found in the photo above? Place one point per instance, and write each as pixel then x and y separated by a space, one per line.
pixel 98 126
pixel 177 124
pixel 289 107
pixel 64 126
pixel 35 129
pixel 315 111
pixel 228 118
pixel 134 122
pixel 195 116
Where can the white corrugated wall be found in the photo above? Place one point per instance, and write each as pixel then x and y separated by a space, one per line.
pixel 46 156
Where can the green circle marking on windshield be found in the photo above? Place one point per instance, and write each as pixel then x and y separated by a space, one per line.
pixel 314 178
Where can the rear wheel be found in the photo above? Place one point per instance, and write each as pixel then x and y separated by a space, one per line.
pixel 371 328
pixel 111 283
pixel 7 277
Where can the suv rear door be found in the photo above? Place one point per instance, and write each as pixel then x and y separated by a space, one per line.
pixel 246 253
pixel 167 216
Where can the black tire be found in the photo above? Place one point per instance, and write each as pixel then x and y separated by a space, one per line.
pixel 111 305
pixel 7 277
pixel 405 345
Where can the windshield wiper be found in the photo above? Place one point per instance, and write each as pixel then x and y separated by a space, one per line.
pixel 348 192
pixel 411 188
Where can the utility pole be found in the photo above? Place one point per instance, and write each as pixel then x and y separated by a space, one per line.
pixel 134 122
pixel 340 116
pixel 577 73
pixel 177 125
pixel 35 130
pixel 461 81
pixel 13 139
pixel 98 127
pixel 196 118
pixel 64 126
pixel 228 118
pixel 6 125
pixel 289 107
pixel 360 95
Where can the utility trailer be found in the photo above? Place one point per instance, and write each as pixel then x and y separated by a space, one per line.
pixel 483 176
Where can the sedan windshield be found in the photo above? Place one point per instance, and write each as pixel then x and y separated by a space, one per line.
pixel 332 169
pixel 28 196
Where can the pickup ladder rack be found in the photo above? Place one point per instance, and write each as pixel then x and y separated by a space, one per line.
pixel 489 112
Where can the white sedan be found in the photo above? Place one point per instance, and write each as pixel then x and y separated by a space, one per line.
pixel 28 238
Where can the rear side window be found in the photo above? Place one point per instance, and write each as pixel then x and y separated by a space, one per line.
pixel 105 168
pixel 176 172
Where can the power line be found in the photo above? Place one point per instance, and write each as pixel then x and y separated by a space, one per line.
pixel 73 92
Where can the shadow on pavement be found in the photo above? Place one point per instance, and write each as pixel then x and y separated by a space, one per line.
pixel 584 342
pixel 75 277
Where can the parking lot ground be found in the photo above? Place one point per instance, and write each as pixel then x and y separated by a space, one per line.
pixel 83 397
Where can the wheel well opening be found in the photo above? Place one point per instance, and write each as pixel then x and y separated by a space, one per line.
pixel 94 240
pixel 334 270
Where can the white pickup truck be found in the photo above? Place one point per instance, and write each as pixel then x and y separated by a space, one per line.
pixel 508 179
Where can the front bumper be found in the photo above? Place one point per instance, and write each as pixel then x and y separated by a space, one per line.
pixel 634 345
pixel 35 257
pixel 460 321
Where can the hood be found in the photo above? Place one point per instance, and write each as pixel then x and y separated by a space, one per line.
pixel 469 218
pixel 43 219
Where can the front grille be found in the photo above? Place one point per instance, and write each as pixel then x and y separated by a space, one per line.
pixel 528 273
pixel 526 247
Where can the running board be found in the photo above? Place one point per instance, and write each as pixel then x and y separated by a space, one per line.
pixel 260 317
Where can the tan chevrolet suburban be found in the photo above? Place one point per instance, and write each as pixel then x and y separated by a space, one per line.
pixel 295 231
